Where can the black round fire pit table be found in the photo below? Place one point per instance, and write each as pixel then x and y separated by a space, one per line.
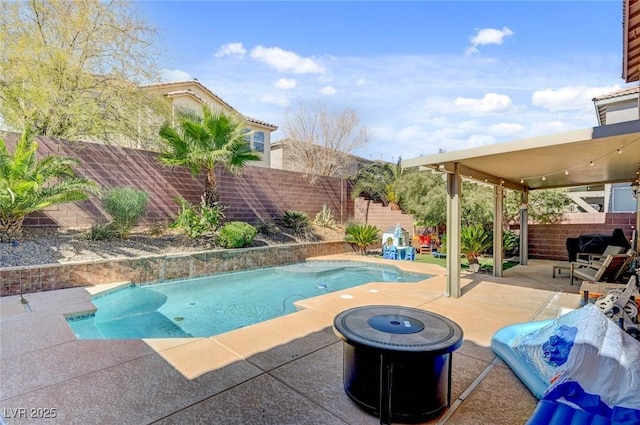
pixel 397 360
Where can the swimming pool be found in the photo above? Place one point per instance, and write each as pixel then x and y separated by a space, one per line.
pixel 212 305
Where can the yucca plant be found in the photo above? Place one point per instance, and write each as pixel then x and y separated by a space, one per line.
pixel 28 184
pixel 474 240
pixel 359 236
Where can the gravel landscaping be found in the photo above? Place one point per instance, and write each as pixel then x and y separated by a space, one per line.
pixel 39 246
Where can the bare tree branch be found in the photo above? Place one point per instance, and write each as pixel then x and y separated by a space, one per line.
pixel 320 142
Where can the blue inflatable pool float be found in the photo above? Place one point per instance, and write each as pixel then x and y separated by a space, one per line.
pixel 564 404
pixel 501 345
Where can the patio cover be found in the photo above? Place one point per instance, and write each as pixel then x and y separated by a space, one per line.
pixel 590 156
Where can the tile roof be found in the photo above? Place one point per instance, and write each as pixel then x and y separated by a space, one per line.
pixel 209 92
pixel 617 93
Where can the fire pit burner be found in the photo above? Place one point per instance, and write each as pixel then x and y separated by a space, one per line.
pixel 397 360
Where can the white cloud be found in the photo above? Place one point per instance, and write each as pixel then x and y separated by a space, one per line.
pixel 506 129
pixel 416 104
pixel 231 49
pixel 491 103
pixel 567 98
pixel 550 127
pixel 360 82
pixel 275 100
pixel 476 140
pixel 284 60
pixel 169 75
pixel 328 90
pixel 487 36
pixel 285 83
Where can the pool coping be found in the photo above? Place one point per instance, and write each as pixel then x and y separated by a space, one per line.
pixel 314 314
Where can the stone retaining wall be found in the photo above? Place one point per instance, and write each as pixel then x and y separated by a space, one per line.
pixel 17 280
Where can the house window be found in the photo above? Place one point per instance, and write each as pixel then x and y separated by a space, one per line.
pixel 255 140
pixel 622 199
pixel 258 141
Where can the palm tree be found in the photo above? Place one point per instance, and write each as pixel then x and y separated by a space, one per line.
pixel 377 182
pixel 360 236
pixel 474 240
pixel 28 185
pixel 203 142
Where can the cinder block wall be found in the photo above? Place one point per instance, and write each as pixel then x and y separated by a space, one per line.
pixel 382 217
pixel 266 193
pixel 549 241
pixel 261 193
pixel 257 192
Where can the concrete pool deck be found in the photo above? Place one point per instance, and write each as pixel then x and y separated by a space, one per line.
pixel 284 371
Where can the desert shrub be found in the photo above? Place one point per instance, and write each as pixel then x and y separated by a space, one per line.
pixel 102 232
pixel 266 227
pixel 325 218
pixel 126 206
pixel 195 220
pixel 236 234
pixel 158 229
pixel 298 222
pixel 359 236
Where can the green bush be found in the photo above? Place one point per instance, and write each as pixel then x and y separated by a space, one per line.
pixel 195 220
pixel 126 206
pixel 102 232
pixel 236 234
pixel 359 236
pixel 510 241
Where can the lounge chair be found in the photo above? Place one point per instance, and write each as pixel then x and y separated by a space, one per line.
pixel 600 272
pixel 631 256
pixel 584 257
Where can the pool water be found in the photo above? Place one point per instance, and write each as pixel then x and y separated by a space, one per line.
pixel 212 305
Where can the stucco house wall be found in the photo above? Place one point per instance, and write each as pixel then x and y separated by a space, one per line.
pixel 194 95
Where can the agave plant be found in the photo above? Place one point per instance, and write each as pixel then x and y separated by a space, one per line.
pixel 359 236
pixel 28 184
pixel 325 218
pixel 474 240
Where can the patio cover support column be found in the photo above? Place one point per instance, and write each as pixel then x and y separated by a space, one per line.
pixel 454 189
pixel 498 218
pixel 637 241
pixel 524 230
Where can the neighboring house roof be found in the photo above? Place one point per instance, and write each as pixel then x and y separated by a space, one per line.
pixel 166 88
pixel 280 144
pixel 601 102
pixel 631 40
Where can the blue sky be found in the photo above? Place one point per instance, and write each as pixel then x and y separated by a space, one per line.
pixel 422 75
